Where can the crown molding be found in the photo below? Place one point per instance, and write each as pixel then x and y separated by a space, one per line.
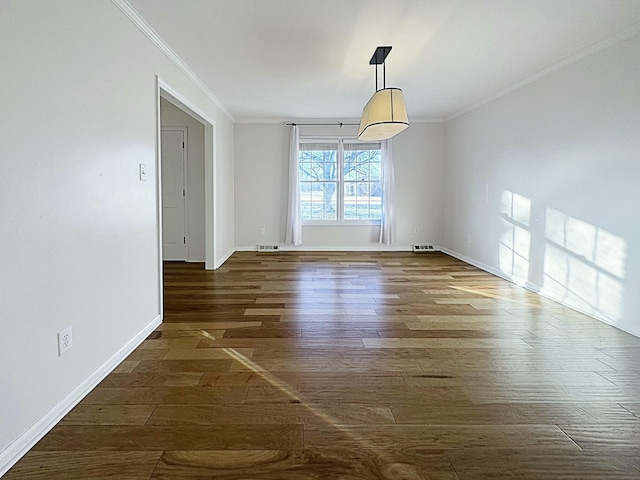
pixel 280 119
pixel 261 120
pixel 135 18
pixel 274 120
pixel 587 52
pixel 426 120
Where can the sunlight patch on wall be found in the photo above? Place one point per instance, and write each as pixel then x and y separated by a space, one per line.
pixel 584 265
pixel 515 240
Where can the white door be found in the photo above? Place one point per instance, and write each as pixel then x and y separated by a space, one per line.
pixel 173 195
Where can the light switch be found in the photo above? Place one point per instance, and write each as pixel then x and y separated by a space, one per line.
pixel 143 172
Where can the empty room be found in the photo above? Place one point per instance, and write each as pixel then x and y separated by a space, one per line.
pixel 304 239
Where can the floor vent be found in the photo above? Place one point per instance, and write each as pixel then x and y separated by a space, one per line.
pixel 268 248
pixel 423 248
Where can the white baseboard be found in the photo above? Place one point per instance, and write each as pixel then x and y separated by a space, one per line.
pixel 366 248
pixel 14 452
pixel 540 291
pixel 246 249
pixel 483 266
pixel 223 259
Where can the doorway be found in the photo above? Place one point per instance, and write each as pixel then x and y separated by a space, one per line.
pixel 206 220
pixel 183 184
pixel 198 177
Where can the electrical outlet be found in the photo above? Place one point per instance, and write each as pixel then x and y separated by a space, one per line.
pixel 468 238
pixel 416 230
pixel 143 172
pixel 263 231
pixel 65 340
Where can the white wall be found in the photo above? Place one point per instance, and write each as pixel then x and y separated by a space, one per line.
pixel 172 116
pixel 261 182
pixel 223 195
pixel 80 232
pixel 545 182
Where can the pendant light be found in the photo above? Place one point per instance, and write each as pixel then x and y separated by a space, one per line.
pixel 385 115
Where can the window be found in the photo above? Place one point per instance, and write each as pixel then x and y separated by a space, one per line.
pixel 340 181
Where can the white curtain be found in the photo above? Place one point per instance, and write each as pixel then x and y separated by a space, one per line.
pixel 388 222
pixel 294 215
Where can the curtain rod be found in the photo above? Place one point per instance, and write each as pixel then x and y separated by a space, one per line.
pixel 326 124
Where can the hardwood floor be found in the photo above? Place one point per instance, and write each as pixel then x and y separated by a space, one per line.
pixel 356 366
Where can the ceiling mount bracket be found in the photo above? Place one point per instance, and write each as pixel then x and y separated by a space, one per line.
pixel 379 55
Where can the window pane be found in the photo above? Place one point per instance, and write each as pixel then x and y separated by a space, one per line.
pixel 318 164
pixel 329 201
pixel 350 200
pixel 349 171
pixel 305 174
pixel 363 212
pixel 374 172
pixel 376 191
pixel 362 191
pixel 318 200
pixel 318 169
pixel 330 170
pixel 306 194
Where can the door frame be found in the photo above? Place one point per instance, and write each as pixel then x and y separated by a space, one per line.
pixel 173 96
pixel 185 170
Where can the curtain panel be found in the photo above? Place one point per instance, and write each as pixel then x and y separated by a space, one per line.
pixel 294 214
pixel 388 221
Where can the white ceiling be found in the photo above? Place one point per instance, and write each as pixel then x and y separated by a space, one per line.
pixel 274 60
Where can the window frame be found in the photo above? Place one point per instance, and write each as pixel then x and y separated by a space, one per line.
pixel 340 181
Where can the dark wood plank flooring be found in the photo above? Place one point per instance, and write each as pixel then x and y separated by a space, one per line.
pixel 356 366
